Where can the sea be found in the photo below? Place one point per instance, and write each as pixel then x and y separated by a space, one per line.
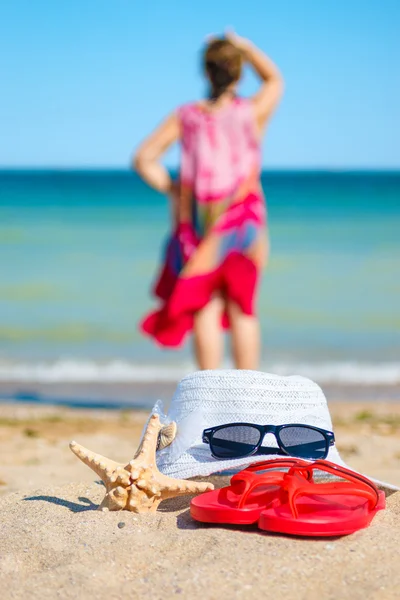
pixel 79 251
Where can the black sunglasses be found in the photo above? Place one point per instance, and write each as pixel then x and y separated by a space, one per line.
pixel 238 440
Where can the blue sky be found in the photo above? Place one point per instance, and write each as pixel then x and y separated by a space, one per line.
pixel 84 81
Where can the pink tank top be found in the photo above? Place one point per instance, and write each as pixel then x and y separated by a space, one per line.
pixel 220 150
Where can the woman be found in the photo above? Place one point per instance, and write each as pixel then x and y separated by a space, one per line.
pixel 219 245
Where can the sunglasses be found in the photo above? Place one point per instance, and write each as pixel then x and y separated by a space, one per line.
pixel 238 440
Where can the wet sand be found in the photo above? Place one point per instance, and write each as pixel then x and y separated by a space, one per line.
pixel 137 395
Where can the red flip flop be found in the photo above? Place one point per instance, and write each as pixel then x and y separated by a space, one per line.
pixel 250 492
pixel 304 507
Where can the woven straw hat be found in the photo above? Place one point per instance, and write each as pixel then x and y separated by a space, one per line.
pixel 209 398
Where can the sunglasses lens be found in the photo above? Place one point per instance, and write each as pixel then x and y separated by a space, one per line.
pixel 234 441
pixel 303 442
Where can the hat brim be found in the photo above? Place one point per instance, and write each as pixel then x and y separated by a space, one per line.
pixel 198 462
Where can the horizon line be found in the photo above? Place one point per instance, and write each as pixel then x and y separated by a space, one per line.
pixel 320 169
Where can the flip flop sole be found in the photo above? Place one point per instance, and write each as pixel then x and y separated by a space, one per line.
pixel 320 516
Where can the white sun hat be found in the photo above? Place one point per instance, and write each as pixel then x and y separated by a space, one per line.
pixel 209 398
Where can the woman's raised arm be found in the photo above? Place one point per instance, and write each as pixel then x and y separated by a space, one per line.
pixel 271 89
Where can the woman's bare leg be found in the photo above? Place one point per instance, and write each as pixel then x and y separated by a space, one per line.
pixel 208 338
pixel 245 338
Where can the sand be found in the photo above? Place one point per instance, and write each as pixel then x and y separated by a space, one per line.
pixel 54 544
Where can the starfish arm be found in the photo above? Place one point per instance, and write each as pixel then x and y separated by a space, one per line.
pixel 102 466
pixel 146 452
pixel 116 499
pixel 177 487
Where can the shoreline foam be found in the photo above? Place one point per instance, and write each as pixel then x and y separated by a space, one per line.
pixel 124 371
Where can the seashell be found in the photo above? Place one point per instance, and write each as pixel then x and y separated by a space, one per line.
pixel 166 435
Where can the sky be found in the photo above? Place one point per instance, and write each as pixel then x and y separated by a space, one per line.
pixel 83 81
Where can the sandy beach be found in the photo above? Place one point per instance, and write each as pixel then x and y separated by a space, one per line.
pixel 218 193
pixel 53 543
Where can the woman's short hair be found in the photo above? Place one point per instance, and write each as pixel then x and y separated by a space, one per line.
pixel 223 64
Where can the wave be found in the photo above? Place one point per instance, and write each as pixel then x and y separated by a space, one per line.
pixel 121 371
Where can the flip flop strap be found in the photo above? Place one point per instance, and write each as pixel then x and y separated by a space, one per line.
pixel 256 481
pixel 338 471
pixel 276 463
pixel 351 476
pixel 295 486
pixel 251 479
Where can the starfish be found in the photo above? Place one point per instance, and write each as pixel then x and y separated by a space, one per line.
pixel 138 486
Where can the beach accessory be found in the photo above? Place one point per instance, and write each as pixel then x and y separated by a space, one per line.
pixel 249 493
pixel 293 502
pixel 305 507
pixel 138 486
pixel 206 399
pixel 237 440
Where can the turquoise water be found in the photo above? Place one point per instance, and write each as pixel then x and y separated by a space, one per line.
pixel 79 250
